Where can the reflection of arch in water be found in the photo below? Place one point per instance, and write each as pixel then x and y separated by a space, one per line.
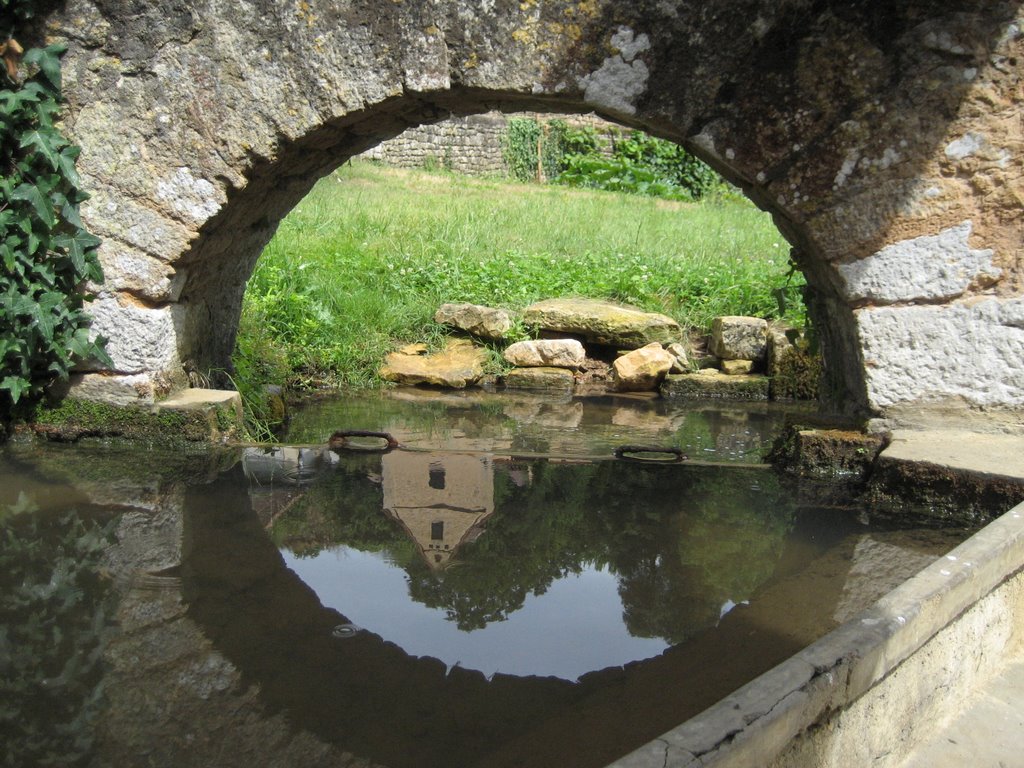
pixel 372 698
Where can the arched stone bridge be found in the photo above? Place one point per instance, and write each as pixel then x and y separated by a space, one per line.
pixel 885 138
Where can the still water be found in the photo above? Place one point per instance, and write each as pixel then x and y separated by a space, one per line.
pixel 496 592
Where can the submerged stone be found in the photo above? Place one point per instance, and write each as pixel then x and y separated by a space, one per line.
pixel 603 322
pixel 710 383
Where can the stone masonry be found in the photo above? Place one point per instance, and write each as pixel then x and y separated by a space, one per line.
pixel 472 145
pixel 885 138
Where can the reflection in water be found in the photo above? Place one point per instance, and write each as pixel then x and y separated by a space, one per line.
pixel 222 655
pixel 533 567
pixel 473 420
pixel 441 501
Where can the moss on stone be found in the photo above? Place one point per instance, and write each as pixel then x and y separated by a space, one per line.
pixel 72 419
pixel 795 376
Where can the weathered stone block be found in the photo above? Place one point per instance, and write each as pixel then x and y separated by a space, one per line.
pixel 140 338
pixel 968 353
pixel 737 367
pixel 684 362
pixel 931 267
pixel 826 453
pixel 556 353
pixel 642 369
pixel 794 370
pixel 485 322
pixel 739 338
pixel 602 322
pixel 549 379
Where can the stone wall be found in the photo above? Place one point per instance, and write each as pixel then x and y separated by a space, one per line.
pixel 473 145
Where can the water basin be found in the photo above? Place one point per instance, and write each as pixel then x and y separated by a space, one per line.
pixel 460 600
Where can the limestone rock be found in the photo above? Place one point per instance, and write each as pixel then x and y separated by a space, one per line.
pixel 683 363
pixel 739 338
pixel 485 322
pixel 642 369
pixel 556 353
pixel 737 367
pixel 602 322
pixel 548 379
pixel 710 383
pixel 459 364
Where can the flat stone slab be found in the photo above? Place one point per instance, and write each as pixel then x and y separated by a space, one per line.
pixel 542 378
pixel 603 322
pixel 200 399
pixel 459 364
pixel 712 384
pixel 221 408
pixel 1000 455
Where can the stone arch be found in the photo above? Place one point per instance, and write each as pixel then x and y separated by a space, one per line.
pixel 884 138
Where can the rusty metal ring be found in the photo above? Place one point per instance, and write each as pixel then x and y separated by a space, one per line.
pixel 340 440
pixel 636 453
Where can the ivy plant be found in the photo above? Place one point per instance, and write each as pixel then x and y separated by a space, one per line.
pixel 46 254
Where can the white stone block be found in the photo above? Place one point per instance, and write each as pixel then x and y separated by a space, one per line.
pixel 140 338
pixel 932 267
pixel 973 352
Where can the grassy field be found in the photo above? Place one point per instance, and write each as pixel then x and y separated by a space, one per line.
pixel 363 262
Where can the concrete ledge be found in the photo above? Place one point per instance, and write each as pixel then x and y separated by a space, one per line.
pixel 859 695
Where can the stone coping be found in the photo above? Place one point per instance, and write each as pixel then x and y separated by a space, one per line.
pixel 755 725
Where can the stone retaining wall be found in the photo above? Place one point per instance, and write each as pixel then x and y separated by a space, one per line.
pixel 873 689
pixel 473 145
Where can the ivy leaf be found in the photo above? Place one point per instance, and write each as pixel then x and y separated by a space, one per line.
pixel 48 61
pixel 16 385
pixel 41 142
pixel 32 194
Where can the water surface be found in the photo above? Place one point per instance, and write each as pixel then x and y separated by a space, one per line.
pixel 459 601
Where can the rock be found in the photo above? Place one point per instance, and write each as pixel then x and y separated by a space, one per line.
pixel 737 367
pixel 710 383
pixel 642 369
pixel 459 364
pixel 554 353
pixel 602 322
pixel 683 363
pixel 794 371
pixel 826 453
pixel 548 379
pixel 485 322
pixel 739 338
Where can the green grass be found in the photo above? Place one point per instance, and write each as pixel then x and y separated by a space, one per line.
pixel 362 263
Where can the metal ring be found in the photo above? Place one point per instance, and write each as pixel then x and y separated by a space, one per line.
pixel 637 453
pixel 339 441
